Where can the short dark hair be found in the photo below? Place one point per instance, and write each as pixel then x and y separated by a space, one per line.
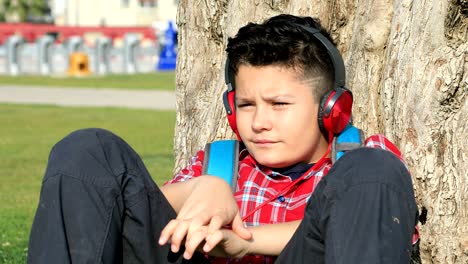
pixel 281 41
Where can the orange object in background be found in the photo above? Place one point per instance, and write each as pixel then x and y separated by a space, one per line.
pixel 79 64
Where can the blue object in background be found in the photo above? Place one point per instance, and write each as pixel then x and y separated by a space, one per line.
pixel 168 56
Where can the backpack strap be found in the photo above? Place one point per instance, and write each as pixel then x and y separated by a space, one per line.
pixel 351 138
pixel 222 160
pixel 222 156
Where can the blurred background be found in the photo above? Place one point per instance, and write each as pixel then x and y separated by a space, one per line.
pixel 116 36
pixel 72 64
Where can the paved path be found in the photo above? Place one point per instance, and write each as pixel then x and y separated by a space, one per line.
pixel 139 99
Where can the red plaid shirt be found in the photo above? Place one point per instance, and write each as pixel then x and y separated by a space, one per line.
pixel 257 184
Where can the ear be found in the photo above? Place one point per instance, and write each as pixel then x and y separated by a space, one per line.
pixel 335 110
pixel 229 102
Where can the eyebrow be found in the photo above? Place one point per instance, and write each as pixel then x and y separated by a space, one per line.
pixel 279 97
pixel 268 98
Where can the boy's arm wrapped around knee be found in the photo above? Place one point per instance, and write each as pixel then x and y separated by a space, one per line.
pixel 202 201
pixel 228 244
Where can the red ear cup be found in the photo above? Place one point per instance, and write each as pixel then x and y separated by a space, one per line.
pixel 335 110
pixel 230 106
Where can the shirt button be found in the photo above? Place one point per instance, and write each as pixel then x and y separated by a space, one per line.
pixel 281 199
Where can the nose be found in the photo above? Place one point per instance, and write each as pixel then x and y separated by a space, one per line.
pixel 261 119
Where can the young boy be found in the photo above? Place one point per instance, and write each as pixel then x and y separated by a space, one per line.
pixel 99 204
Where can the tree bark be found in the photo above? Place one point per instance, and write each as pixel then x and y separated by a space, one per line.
pixel 407 64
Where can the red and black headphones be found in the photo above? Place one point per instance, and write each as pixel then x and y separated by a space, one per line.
pixel 335 106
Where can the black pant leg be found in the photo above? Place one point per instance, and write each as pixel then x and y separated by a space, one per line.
pixel 98 204
pixel 363 211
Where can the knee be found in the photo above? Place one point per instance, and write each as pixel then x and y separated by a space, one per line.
pixel 82 147
pixel 89 134
pixel 381 165
pixel 81 139
pixel 91 154
pixel 371 165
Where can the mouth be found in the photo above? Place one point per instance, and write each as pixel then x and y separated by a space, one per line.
pixel 263 142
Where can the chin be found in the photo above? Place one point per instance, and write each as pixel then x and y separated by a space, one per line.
pixel 270 158
pixel 274 164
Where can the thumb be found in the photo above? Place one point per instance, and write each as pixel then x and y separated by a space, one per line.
pixel 239 228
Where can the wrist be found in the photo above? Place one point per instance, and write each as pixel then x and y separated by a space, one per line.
pixel 249 244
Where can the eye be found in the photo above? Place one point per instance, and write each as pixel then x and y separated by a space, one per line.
pixel 280 103
pixel 243 105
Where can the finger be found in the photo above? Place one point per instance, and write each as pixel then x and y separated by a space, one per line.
pixel 188 211
pixel 215 224
pixel 239 228
pixel 192 244
pixel 167 232
pixel 212 240
pixel 195 224
pixel 179 234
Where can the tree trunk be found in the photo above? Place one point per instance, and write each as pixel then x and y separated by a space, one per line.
pixel 407 64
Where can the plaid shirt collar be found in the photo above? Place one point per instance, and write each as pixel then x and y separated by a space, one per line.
pixel 247 158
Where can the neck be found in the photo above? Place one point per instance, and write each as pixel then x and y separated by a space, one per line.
pixel 321 149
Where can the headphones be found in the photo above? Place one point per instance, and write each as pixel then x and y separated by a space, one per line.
pixel 335 106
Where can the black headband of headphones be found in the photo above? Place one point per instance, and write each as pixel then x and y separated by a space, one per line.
pixel 333 52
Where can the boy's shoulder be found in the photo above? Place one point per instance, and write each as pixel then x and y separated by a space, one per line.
pixel 382 142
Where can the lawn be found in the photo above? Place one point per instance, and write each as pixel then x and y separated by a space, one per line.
pixel 28 132
pixel 155 81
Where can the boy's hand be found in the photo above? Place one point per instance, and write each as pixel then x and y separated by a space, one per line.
pixel 221 243
pixel 210 204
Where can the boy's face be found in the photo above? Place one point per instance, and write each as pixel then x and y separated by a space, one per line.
pixel 277 116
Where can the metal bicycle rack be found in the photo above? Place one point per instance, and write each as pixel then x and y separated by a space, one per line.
pixel 44 52
pixel 131 43
pixel 13 48
pixel 102 58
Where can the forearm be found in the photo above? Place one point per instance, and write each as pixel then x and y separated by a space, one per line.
pixel 271 239
pixel 177 193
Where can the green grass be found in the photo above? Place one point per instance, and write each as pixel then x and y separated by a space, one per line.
pixel 28 132
pixel 155 81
